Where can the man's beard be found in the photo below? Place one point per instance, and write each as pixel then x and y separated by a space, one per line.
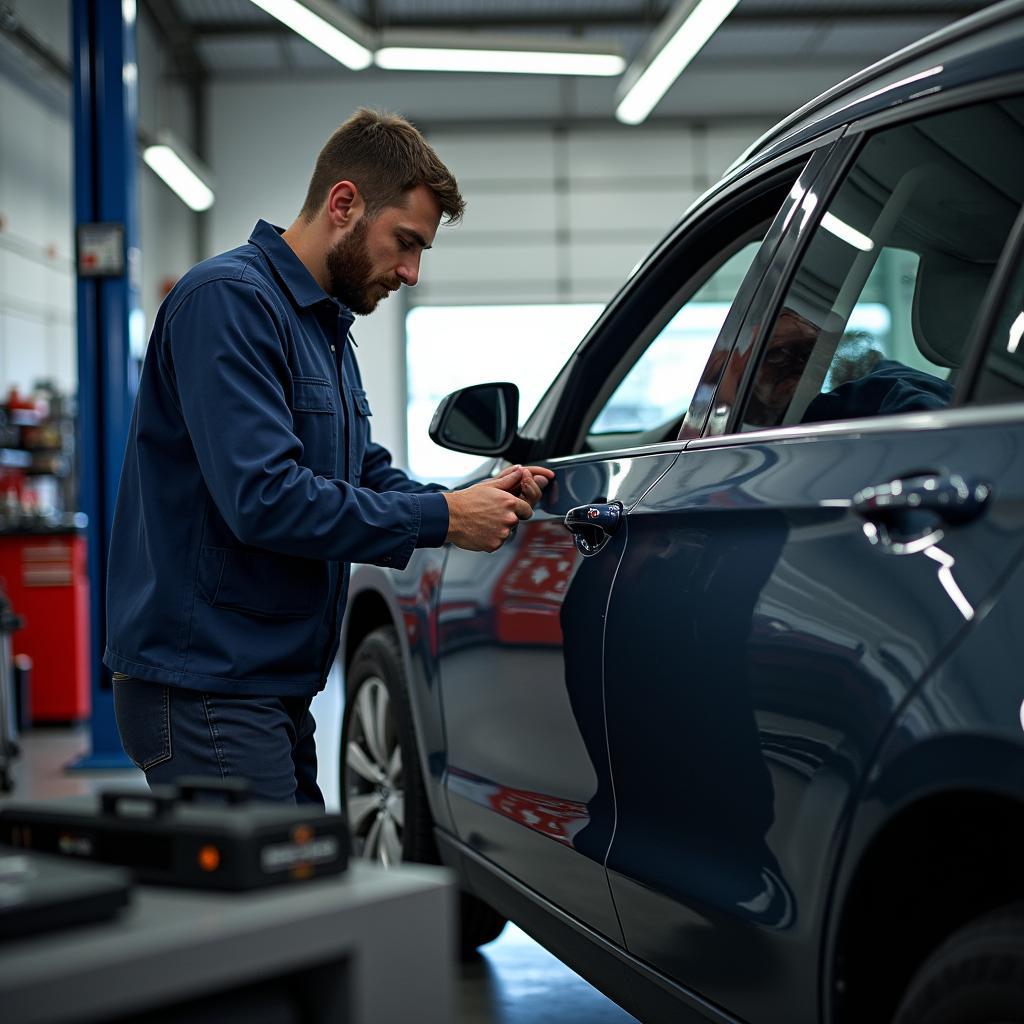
pixel 350 272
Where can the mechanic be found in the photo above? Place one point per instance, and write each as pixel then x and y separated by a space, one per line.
pixel 250 481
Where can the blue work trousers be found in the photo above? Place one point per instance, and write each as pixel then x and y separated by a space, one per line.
pixel 168 732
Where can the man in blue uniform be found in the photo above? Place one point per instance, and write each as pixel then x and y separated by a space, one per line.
pixel 250 481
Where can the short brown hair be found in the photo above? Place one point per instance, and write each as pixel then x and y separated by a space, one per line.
pixel 385 156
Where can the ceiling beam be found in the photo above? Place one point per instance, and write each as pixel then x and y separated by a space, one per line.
pixel 605 18
pixel 611 18
pixel 730 64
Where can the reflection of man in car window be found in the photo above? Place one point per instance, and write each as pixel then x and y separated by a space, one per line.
pixel 888 387
pixel 785 357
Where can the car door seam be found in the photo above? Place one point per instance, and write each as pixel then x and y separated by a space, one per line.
pixel 604 719
pixel 647 490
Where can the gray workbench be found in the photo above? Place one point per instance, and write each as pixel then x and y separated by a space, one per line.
pixel 368 947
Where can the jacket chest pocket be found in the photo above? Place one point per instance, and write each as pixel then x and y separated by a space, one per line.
pixel 315 418
pixel 360 430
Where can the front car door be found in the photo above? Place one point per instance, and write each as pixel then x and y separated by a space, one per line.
pixel 794 575
pixel 521 632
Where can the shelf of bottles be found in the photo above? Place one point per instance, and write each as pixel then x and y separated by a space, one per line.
pixel 38 478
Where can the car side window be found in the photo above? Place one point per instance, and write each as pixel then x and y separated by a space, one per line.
pixel 658 388
pixel 879 314
pixel 1001 378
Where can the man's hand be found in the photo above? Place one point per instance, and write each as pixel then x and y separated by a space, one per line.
pixel 535 479
pixel 481 517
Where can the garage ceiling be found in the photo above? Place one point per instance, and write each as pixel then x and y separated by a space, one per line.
pixel 769 56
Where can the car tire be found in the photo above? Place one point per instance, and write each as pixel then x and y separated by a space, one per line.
pixel 975 977
pixel 382 790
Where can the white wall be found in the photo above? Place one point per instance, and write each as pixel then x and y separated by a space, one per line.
pixel 564 216
pixel 167 227
pixel 553 215
pixel 36 283
pixel 37 287
pixel 381 354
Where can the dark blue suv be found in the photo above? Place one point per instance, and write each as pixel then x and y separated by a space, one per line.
pixel 735 724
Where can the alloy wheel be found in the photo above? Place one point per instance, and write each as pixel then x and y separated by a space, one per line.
pixel 374 781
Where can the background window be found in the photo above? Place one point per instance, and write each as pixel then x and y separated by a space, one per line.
pixel 880 311
pixel 449 347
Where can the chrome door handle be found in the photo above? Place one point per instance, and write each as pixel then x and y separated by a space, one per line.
pixel 592 526
pixel 907 514
pixel 951 497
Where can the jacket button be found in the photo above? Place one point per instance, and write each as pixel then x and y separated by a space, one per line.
pixel 332 348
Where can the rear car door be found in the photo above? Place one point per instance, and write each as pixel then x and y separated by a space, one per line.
pixel 793 575
pixel 521 632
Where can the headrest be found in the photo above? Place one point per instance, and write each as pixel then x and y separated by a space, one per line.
pixel 947 297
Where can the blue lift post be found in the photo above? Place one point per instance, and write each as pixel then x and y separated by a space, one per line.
pixel 105 92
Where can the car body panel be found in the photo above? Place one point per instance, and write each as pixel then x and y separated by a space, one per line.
pixel 569 751
pixel 961 732
pixel 520 662
pixel 794 640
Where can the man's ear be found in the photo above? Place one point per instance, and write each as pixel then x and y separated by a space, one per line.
pixel 344 204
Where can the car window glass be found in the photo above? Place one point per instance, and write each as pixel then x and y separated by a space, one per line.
pixel 880 311
pixel 662 381
pixel 1002 373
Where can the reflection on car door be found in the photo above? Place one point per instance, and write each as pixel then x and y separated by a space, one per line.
pixel 784 591
pixel 520 636
pixel 757 644
pixel 521 632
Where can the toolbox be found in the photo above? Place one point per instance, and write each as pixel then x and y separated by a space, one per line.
pixel 201 833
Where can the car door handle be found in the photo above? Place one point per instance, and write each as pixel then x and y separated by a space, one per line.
pixel 592 526
pixel 951 497
pixel 905 515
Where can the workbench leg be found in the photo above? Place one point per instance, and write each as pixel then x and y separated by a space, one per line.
pixel 404 970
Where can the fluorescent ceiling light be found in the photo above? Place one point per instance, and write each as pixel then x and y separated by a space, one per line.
pixel 181 172
pixel 409 58
pixel 325 26
pixel 848 234
pixel 427 51
pixel 679 38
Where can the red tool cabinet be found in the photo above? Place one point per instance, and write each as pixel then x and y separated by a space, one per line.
pixel 44 575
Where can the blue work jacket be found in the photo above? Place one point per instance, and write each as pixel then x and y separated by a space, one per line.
pixel 249 484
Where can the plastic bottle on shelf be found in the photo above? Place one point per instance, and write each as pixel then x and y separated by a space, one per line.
pixel 21 408
pixel 11 506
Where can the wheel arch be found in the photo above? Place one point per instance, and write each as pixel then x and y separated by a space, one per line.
pixel 372 604
pixel 927 853
pixel 368 610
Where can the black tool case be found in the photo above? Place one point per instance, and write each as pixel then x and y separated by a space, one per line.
pixel 200 834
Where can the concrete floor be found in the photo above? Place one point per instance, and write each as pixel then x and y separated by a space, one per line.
pixel 515 981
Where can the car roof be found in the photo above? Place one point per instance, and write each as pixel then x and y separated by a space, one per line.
pixel 983 45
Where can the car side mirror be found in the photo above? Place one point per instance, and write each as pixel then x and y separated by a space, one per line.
pixel 481 419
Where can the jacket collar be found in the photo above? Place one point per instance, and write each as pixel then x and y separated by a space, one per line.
pixel 299 282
